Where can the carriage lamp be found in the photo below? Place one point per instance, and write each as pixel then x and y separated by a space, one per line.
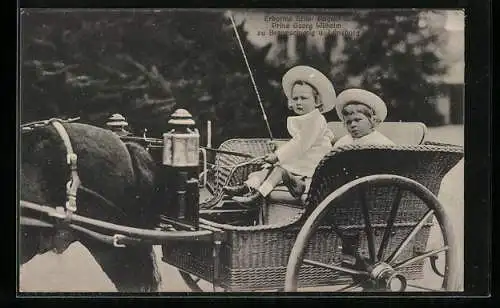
pixel 181 143
pixel 180 169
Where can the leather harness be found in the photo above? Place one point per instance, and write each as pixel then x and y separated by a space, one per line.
pixel 67 219
pixel 73 185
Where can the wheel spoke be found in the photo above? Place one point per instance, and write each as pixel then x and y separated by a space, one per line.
pixel 368 227
pixel 351 286
pixel 335 267
pixel 420 257
pixel 423 288
pixel 390 224
pixel 410 236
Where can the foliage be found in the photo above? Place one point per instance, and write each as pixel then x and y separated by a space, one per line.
pixel 395 57
pixel 144 65
pixel 147 63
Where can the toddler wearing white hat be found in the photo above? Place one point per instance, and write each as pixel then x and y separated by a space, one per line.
pixel 309 93
pixel 361 111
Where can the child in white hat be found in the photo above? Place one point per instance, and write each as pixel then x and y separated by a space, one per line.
pixel 361 111
pixel 309 93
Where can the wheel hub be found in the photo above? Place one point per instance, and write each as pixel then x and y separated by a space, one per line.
pixel 388 278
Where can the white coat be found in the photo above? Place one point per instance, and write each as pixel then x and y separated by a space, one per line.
pixel 372 138
pixel 311 141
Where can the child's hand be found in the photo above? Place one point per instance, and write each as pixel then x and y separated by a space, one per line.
pixel 271 158
pixel 273 145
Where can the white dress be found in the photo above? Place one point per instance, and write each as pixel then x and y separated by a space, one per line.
pixel 311 141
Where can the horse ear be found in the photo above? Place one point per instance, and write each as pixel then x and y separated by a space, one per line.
pixel 144 172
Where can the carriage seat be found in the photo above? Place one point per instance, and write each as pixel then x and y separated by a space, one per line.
pixel 280 194
pixel 401 133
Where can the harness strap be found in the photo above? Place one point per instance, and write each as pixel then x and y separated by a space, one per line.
pixel 117 240
pixel 64 216
pixel 32 125
pixel 144 234
pixel 74 184
pixel 103 199
pixel 71 159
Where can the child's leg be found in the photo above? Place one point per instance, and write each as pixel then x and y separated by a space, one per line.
pixel 295 184
pixel 272 180
pixel 253 182
pixel 255 179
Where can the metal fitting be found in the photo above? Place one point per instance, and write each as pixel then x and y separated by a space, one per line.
pixel 389 278
pixel 116 239
pixel 71 158
pixel 71 204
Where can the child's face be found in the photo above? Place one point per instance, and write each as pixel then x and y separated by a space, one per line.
pixel 302 100
pixel 358 124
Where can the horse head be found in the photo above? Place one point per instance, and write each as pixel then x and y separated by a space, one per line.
pixel 117 185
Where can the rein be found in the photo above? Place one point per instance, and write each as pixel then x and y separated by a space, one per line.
pixel 123 233
pixel 158 143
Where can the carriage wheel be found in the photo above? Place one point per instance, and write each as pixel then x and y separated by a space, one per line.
pixel 382 268
pixel 194 282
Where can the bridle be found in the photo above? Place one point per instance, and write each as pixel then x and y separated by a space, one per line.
pixel 74 183
pixel 73 186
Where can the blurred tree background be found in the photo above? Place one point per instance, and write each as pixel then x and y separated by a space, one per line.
pixel 396 57
pixel 145 64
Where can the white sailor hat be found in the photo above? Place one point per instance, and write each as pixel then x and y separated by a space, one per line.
pixel 315 78
pixel 364 97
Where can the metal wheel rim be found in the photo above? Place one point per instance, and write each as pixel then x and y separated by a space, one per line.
pixel 298 251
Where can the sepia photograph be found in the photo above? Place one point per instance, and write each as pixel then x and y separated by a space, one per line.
pixel 241 150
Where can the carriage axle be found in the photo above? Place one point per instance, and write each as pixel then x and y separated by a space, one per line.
pixel 387 278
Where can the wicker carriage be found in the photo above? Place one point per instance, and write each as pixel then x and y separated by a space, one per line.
pixel 364 220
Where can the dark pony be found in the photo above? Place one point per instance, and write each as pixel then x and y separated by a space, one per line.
pixel 122 173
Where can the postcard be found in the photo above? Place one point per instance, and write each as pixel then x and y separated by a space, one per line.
pixel 245 150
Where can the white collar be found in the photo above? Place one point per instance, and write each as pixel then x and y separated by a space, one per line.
pixel 367 136
pixel 311 114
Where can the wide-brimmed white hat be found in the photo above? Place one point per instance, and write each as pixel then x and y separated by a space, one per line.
pixel 315 78
pixel 364 97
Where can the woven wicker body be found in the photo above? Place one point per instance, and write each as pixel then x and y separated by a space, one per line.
pixel 255 257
